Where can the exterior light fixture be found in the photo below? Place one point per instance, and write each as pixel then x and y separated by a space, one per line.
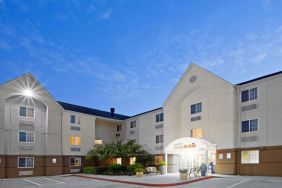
pixel 28 93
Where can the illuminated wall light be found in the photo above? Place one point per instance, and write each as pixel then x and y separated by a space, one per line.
pixel 28 93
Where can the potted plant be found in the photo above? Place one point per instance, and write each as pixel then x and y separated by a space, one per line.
pixel 183 174
pixel 203 169
pixel 139 172
pixel 162 167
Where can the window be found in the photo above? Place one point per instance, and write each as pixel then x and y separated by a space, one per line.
pixel 119 161
pixel 248 95
pixel 250 157
pixel 197 133
pixel 118 128
pixel 98 142
pixel 25 162
pixel 132 160
pixel 26 112
pixel 132 124
pixel 159 139
pixel 220 156
pixel 228 156
pixel 26 136
pixel 54 160
pixel 159 117
pixel 75 162
pixel 75 140
pixel 158 159
pixel 249 125
pixel 72 119
pixel 196 108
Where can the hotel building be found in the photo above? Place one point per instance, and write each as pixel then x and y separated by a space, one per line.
pixel 204 119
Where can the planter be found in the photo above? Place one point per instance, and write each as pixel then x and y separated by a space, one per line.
pixel 139 174
pixel 203 169
pixel 162 169
pixel 183 176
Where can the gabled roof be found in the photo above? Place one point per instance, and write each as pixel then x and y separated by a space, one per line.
pixel 260 78
pixel 91 111
pixel 39 85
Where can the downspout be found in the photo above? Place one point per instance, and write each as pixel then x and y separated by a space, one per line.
pixel 238 106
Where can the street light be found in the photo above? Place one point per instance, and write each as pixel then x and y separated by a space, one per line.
pixel 28 93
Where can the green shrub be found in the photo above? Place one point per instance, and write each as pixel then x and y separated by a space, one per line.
pixel 139 170
pixel 162 163
pixel 89 170
pixel 117 169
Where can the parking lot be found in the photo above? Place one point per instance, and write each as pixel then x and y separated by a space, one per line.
pixel 67 181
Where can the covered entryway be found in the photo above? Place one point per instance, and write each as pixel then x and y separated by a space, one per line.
pixel 188 152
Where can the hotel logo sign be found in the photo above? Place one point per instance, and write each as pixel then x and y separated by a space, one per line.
pixel 185 146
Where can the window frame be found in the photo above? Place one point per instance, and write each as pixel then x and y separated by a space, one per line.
pixel 75 160
pixel 249 162
pixel 133 124
pixel 26 162
pixel 248 91
pixel 160 139
pixel 159 117
pixel 119 128
pixel 72 115
pixel 249 125
pixel 26 136
pixel 70 140
pixel 27 107
pixel 196 108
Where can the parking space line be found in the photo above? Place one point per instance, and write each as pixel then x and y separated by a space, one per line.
pixel 31 182
pixel 57 182
pixel 238 183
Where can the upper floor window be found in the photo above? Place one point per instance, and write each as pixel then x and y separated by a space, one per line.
pixel 118 128
pixel 72 119
pixel 197 133
pixel 248 95
pixel 132 124
pixel 27 136
pixel 75 140
pixel 159 139
pixel 26 162
pixel 159 117
pixel 196 108
pixel 249 125
pixel 26 112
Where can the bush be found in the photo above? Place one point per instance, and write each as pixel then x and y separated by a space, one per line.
pixel 139 170
pixel 183 171
pixel 117 169
pixel 162 163
pixel 89 170
pixel 102 170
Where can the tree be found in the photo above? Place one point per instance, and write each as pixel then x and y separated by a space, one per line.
pixel 120 150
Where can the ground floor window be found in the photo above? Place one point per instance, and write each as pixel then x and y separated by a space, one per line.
pixel 75 161
pixel 26 162
pixel 132 160
pixel 119 161
pixel 250 157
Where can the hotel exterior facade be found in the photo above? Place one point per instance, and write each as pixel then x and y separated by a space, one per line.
pixel 240 124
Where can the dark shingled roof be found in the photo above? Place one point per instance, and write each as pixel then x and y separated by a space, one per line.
pixel 260 78
pixel 91 111
pixel 146 112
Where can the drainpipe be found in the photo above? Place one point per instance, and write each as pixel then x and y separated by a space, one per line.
pixel 238 130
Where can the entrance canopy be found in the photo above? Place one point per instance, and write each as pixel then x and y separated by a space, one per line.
pixel 188 152
pixel 187 144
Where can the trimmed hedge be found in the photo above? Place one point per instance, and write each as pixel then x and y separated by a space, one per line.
pixel 89 170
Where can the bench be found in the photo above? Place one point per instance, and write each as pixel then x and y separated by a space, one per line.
pixel 152 170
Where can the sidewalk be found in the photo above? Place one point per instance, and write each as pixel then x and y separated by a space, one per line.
pixel 147 180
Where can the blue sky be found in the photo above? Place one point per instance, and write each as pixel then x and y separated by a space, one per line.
pixel 130 54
